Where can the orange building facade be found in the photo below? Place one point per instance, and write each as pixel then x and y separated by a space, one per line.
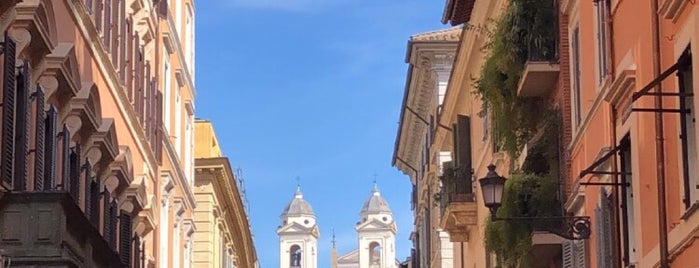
pixel 98 133
pixel 633 127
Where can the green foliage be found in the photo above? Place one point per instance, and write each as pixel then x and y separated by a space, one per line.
pixel 525 195
pixel 524 30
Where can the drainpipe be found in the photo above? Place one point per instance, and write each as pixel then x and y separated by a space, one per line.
pixel 660 143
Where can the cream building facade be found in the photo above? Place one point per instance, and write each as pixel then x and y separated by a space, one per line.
pixel 444 144
pixel 223 238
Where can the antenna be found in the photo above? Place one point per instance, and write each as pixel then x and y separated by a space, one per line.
pixel 298 181
pixel 333 241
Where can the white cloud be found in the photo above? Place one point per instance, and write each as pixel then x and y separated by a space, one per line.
pixel 284 5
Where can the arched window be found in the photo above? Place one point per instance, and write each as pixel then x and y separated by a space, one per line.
pixel 374 253
pixel 295 256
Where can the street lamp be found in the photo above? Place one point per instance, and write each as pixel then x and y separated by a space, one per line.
pixel 493 186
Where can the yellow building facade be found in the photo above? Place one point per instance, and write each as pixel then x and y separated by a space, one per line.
pixel 223 238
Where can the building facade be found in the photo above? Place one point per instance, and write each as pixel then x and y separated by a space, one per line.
pixel 223 237
pixel 634 128
pixel 616 90
pixel 100 94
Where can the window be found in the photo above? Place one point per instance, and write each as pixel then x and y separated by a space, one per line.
pixel 164 233
pixel 178 19
pixel 178 122
pixel 176 245
pixel 189 148
pixel 107 24
pixel 166 94
pixel 602 16
pixel 576 94
pixel 688 134
pixel 628 229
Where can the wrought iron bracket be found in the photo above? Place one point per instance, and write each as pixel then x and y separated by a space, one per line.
pixel 605 184
pixel 573 227
pixel 656 110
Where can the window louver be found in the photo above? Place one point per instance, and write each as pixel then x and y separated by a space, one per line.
pixel 39 139
pixel 125 238
pixel 8 109
pixel 137 257
pixel 74 174
pixel 87 179
pixel 112 224
pixel 51 142
pixel 106 225
pixel 65 157
pixel 94 202
pixel 22 129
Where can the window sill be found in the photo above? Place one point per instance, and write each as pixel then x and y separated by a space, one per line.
pixel 690 211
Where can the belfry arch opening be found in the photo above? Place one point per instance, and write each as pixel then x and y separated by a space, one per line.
pixel 374 254
pixel 295 256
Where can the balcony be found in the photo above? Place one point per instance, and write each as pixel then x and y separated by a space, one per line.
pixel 42 229
pixel 540 73
pixel 459 209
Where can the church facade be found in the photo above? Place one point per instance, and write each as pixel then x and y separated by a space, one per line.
pixel 376 232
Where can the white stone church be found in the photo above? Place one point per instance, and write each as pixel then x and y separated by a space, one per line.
pixel 376 232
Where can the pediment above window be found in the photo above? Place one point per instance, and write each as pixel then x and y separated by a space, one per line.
pixel 61 77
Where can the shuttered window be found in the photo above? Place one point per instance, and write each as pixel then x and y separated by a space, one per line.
pixel 98 15
pixel 39 139
pixel 573 254
pixel 137 259
pixel 8 109
pixel 65 158
pixel 688 135
pixel 125 238
pixel 22 124
pixel 87 182
pixel 74 178
pixel 106 37
pixel 603 232
pixel 51 143
pixel 94 203
pixel 106 224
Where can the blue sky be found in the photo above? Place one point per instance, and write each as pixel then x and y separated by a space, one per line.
pixel 310 88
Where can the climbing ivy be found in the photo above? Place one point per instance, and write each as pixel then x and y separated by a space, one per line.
pixel 524 28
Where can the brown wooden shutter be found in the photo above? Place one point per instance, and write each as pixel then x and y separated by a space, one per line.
pixel 131 60
pixel 98 15
pixel 122 41
pixel 8 109
pixel 106 225
pixel 163 8
pixel 94 202
pixel 148 108
pixel 107 36
pixel 87 179
pixel 146 88
pixel 88 5
pixel 51 144
pixel 65 157
pixel 462 147
pixel 74 177
pixel 138 82
pixel 125 237
pixel 39 139
pixel 160 136
pixel 116 30
pixel 113 224
pixel 22 129
pixel 137 257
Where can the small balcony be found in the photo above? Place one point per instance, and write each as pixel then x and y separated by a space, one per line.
pixel 47 229
pixel 541 69
pixel 459 209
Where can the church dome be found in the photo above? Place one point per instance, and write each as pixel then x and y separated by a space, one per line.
pixel 375 204
pixel 298 206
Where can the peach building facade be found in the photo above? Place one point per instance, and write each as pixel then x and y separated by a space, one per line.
pixel 646 140
pixel 100 94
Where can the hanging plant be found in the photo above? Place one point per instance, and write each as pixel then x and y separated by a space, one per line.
pixel 524 27
pixel 525 195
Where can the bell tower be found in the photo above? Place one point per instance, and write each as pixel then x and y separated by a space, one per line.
pixel 298 235
pixel 377 233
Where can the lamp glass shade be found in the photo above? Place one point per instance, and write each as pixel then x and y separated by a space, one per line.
pixel 492 188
